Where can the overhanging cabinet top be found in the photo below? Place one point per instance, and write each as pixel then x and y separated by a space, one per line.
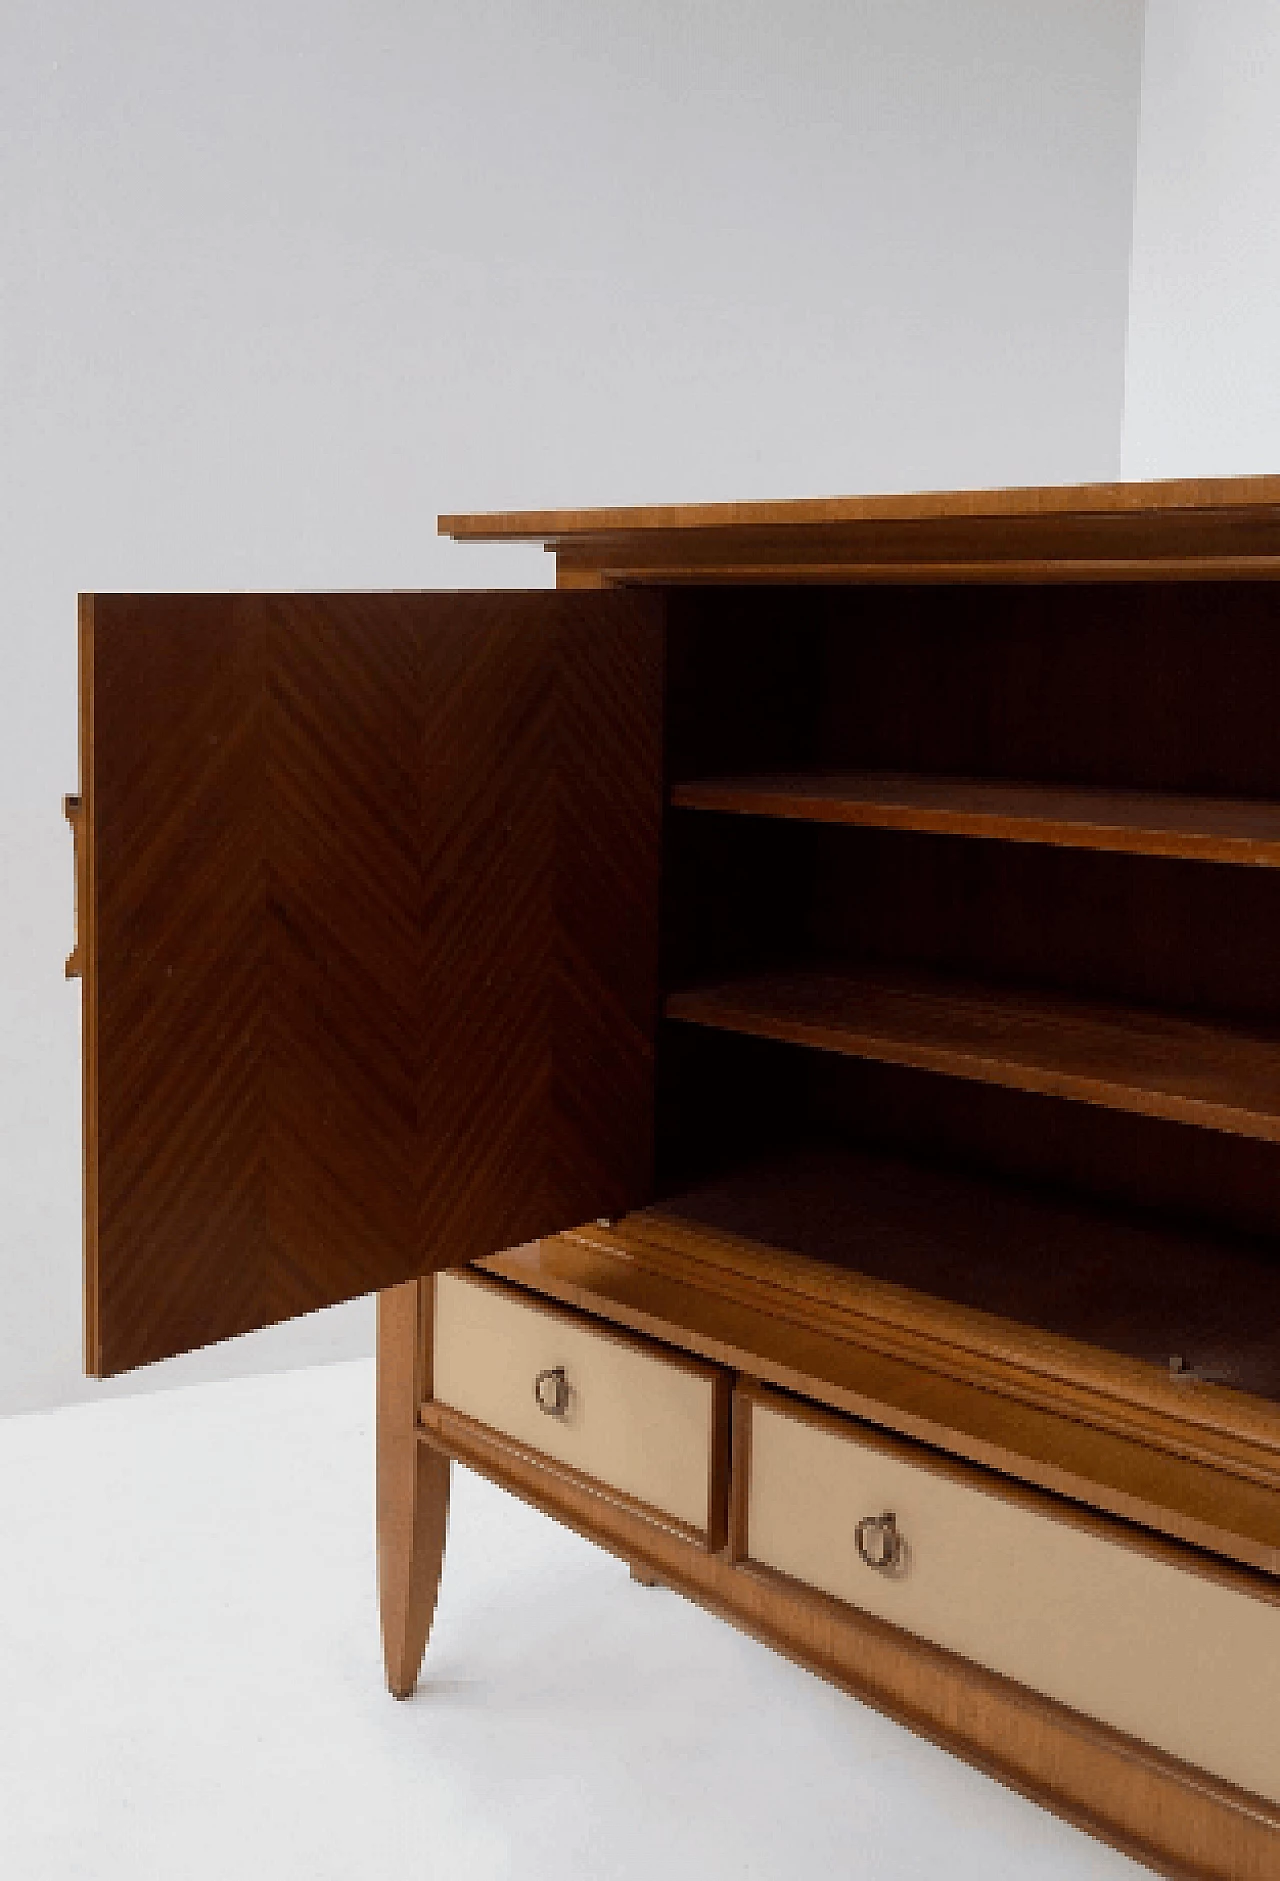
pixel 1221 528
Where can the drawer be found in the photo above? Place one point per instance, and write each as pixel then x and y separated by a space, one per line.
pixel 1170 1647
pixel 647 1423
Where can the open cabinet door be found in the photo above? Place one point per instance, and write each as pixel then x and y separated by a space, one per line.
pixel 368 902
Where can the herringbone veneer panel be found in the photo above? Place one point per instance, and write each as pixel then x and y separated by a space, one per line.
pixel 370 949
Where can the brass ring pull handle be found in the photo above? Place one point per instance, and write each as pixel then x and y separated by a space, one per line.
pixel 879 1544
pixel 551 1392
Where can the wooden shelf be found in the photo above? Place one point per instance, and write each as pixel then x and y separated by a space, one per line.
pixel 1143 823
pixel 1152 1063
pixel 1105 1279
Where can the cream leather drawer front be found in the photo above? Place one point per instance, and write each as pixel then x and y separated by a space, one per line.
pixel 636 1419
pixel 1186 1663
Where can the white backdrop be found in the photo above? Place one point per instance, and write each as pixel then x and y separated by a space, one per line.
pixel 279 282
pixel 1203 391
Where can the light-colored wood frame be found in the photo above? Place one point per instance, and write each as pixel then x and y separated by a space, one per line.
pixel 412 1485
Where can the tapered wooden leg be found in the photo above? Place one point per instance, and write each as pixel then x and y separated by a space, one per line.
pixel 413 1486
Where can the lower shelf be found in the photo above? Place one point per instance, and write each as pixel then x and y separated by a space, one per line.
pixel 1192 1305
pixel 828 1273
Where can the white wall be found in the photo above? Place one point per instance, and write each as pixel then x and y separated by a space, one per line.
pixel 1203 390
pixel 279 281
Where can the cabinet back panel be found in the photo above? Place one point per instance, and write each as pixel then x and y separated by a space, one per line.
pixel 724 1100
pixel 1138 929
pixel 1155 686
pixel 737 893
pixel 744 894
pixel 1204 1178
pixel 1141 686
pixel 744 680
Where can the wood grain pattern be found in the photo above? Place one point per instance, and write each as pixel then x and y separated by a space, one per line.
pixel 1155 1064
pixel 1177 1820
pixel 370 943
pixel 1199 1463
pixel 412 1486
pixel 1140 823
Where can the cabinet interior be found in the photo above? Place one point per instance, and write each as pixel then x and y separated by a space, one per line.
pixel 970 920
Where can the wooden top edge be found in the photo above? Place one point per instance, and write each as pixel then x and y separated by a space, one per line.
pixel 1082 499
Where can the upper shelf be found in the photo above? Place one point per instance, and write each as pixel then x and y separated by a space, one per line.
pixel 1143 823
pixel 1224 528
pixel 1156 1064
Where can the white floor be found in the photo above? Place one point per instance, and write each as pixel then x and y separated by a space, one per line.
pixel 190 1685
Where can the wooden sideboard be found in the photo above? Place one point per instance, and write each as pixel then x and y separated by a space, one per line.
pixel 789 1024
